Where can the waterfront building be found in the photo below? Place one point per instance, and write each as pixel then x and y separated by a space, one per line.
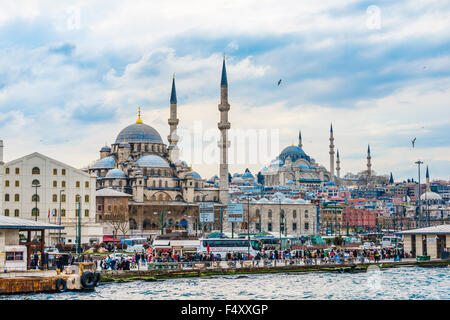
pixel 37 187
pixel 430 241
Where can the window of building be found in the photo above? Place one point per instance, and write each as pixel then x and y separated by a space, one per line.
pixel 6 212
pixel 6 170
pixel 6 197
pixel 16 212
pixel 63 212
pixel 86 184
pixel 6 183
pixel 77 212
pixel 77 198
pixel 17 171
pixel 55 184
pixel 63 198
pixel 294 214
pixel 55 198
pixel 16 183
pixel 269 226
pixel 306 226
pixel 294 226
pixel 269 214
pixel 86 198
pixel 35 198
pixel 16 197
pixel 35 170
pixel 63 172
pixel 86 213
pixel 63 184
pixel 77 184
pixel 35 212
pixel 35 182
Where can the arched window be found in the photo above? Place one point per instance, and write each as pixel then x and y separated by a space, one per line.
pixel 55 198
pixel 269 214
pixel 63 198
pixel 16 198
pixel 77 198
pixel 35 212
pixel 6 197
pixel 282 214
pixel 86 198
pixel 257 213
pixel 35 182
pixel 6 212
pixel 35 170
pixel 132 223
pixel 35 198
pixel 294 214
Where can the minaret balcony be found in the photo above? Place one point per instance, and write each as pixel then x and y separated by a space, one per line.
pixel 224 107
pixel 223 125
pixel 173 122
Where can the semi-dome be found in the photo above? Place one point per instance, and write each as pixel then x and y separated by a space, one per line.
pixel 139 133
pixel 105 163
pixel 294 152
pixel 115 174
pixel 194 175
pixel 430 196
pixel 151 160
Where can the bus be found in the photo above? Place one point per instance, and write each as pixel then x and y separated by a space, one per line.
pixel 390 241
pixel 223 246
pixel 135 244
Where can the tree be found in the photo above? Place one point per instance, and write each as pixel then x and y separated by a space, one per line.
pixel 118 221
pixel 260 178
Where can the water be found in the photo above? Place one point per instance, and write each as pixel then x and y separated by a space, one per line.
pixel 398 283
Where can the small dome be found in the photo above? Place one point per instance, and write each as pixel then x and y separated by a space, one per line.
pixel 237 180
pixel 105 163
pixel 248 175
pixel 115 174
pixel 140 133
pixel 105 149
pixel 194 175
pixel 152 161
pixel 430 196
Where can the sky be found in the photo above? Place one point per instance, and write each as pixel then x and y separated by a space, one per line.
pixel 73 74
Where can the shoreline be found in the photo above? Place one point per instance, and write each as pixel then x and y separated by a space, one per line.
pixel 155 275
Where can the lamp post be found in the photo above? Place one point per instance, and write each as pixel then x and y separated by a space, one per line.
pixel 59 231
pixel 279 198
pixel 248 226
pixel 418 162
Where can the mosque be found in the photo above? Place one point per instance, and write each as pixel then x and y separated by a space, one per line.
pixel 165 191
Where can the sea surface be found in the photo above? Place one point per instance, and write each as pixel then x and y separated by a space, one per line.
pixel 398 283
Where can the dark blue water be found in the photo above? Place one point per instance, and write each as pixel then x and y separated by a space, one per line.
pixel 398 283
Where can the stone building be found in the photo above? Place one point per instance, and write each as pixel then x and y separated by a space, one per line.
pixel 40 188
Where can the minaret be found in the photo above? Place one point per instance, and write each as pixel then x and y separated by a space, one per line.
pixel 338 165
pixel 300 139
pixel 427 176
pixel 331 153
pixel 224 144
pixel 391 179
pixel 173 121
pixel 369 165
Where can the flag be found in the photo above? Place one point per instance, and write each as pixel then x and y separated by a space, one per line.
pixel 49 213
pixel 207 247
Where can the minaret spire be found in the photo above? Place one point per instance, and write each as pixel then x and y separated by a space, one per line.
pixel 224 144
pixel 369 164
pixel 300 139
pixel 338 165
pixel 427 176
pixel 173 121
pixel 331 153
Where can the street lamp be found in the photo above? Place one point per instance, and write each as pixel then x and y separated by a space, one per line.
pixel 418 162
pixel 59 231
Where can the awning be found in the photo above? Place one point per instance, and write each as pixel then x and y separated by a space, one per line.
pixel 110 239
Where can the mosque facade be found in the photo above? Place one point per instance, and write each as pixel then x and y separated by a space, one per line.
pixel 165 191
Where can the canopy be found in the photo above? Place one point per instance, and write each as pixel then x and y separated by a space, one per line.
pixel 216 235
pixel 110 239
pixel 263 234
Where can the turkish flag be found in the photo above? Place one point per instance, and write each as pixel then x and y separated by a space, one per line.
pixel 207 247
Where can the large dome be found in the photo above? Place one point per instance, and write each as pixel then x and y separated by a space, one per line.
pixel 139 133
pixel 294 152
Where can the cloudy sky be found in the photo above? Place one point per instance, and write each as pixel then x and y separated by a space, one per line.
pixel 72 75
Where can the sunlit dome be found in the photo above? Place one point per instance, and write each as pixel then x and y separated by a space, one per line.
pixel 194 175
pixel 115 174
pixel 152 161
pixel 139 133
pixel 105 163
pixel 430 196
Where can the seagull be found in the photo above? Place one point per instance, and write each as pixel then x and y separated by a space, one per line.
pixel 413 141
pixel 279 82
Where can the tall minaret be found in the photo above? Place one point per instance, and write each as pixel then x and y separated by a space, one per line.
pixel 300 139
pixel 369 165
pixel 173 121
pixel 427 176
pixel 338 165
pixel 331 153
pixel 224 144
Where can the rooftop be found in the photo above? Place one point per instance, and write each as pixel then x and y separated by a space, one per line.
pixel 17 223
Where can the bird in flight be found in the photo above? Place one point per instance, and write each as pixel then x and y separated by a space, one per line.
pixel 279 82
pixel 413 141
